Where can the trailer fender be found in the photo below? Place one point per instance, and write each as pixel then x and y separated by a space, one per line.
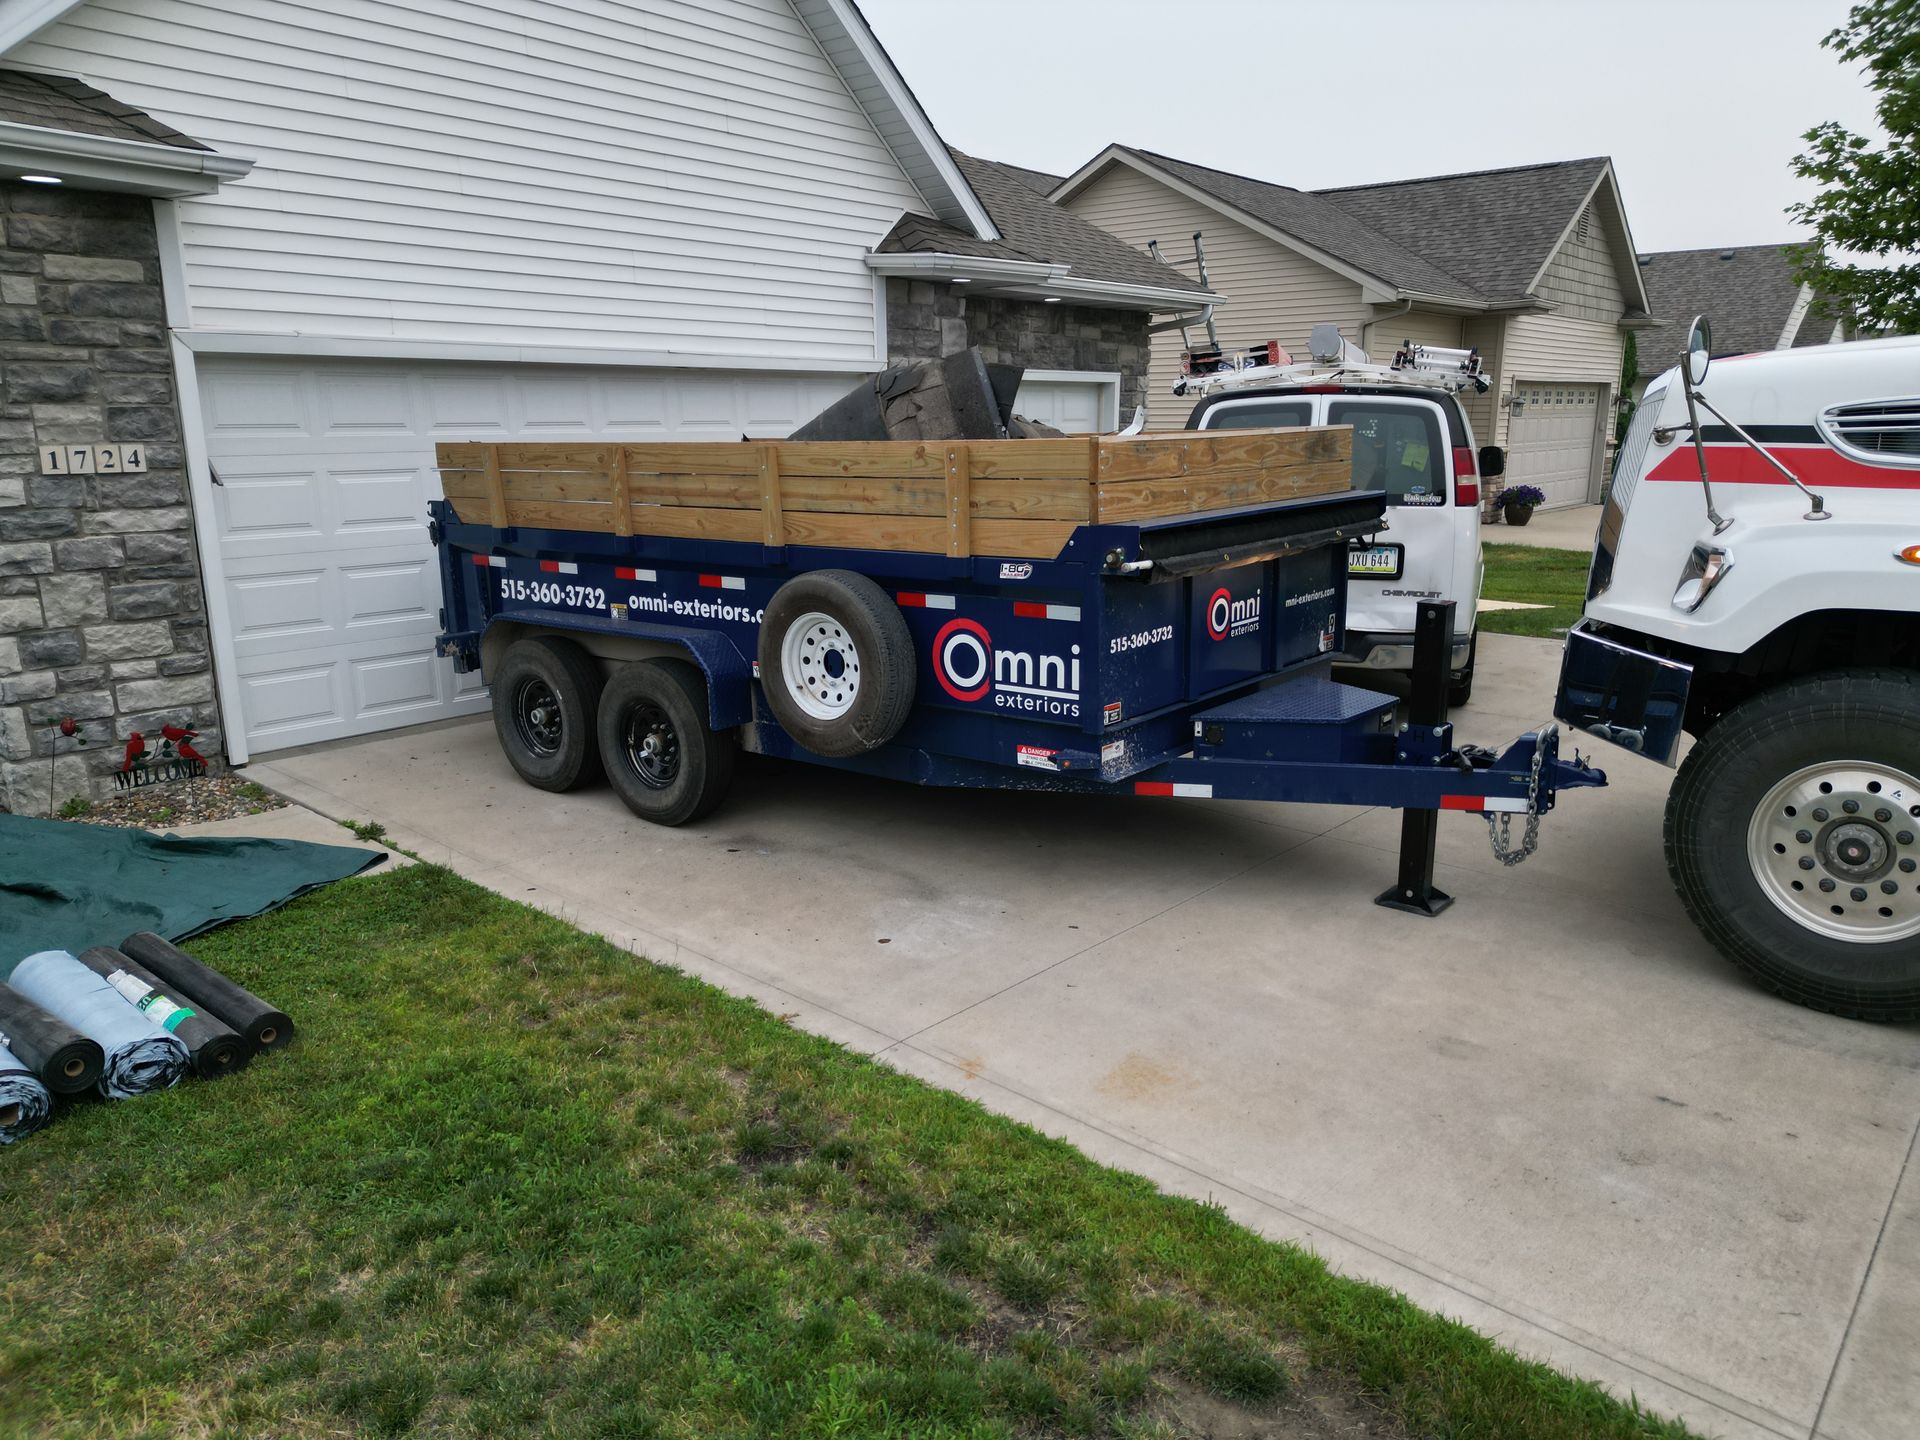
pixel 729 674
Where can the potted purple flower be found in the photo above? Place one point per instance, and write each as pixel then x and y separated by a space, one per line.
pixel 1518 502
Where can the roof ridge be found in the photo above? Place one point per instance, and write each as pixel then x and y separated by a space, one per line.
pixel 1712 249
pixel 1466 289
pixel 1467 174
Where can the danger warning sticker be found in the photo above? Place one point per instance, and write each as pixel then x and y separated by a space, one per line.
pixel 1036 757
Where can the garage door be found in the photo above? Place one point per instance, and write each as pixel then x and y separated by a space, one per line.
pixel 1077 406
pixel 1550 442
pixel 323 472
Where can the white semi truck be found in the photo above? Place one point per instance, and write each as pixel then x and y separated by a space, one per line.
pixel 1756 585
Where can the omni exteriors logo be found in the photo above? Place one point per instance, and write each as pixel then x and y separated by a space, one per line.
pixel 1227 616
pixel 968 667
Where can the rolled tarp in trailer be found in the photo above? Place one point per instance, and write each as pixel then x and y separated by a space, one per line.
pixel 214 1046
pixel 25 1104
pixel 141 1057
pixel 263 1026
pixel 66 1061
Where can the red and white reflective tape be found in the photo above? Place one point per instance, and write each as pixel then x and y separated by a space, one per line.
pixel 559 567
pixel 627 572
pixel 1482 803
pixel 1162 787
pixel 915 600
pixel 1034 610
pixel 498 561
pixel 723 582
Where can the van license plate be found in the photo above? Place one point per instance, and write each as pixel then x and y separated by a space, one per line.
pixel 1376 562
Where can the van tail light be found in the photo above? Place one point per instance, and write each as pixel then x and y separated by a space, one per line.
pixel 1466 476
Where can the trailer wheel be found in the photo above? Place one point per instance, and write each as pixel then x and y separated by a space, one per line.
pixel 545 694
pixel 1793 837
pixel 661 758
pixel 836 662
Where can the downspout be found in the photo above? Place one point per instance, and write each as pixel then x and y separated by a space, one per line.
pixel 1366 330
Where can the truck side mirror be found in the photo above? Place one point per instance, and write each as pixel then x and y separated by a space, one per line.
pixel 1493 461
pixel 1699 352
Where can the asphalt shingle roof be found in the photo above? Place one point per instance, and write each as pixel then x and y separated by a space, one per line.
pixel 1493 229
pixel 1032 228
pixel 1039 180
pixel 58 102
pixel 1321 223
pixel 1747 292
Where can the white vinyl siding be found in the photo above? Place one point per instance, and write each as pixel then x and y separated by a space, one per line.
pixel 1272 292
pixel 1487 334
pixel 1581 280
pixel 1419 326
pixel 1556 347
pixel 685 176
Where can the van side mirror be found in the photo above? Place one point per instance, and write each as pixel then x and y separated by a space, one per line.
pixel 1493 461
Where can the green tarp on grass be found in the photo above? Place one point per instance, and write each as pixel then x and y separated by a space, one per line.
pixel 67 887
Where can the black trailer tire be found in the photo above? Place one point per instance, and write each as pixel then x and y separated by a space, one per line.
pixel 1793 837
pixel 661 758
pixel 836 663
pixel 545 694
pixel 1460 683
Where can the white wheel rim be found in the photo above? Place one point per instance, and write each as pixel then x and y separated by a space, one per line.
pixel 1837 847
pixel 820 666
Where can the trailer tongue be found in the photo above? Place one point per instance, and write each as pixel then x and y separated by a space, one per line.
pixel 1152 616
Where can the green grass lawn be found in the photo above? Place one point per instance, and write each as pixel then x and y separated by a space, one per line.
pixel 513 1181
pixel 1554 578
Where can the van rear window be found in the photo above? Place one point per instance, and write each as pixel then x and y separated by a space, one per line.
pixel 1261 415
pixel 1396 448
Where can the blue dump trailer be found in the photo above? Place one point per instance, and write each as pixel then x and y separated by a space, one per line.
pixel 1153 616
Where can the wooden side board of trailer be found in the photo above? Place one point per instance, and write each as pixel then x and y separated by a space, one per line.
pixel 1019 498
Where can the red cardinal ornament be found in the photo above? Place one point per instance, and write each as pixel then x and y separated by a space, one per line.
pixel 180 737
pixel 136 748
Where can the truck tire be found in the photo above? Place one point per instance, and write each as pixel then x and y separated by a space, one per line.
pixel 1793 837
pixel 1460 683
pixel 836 662
pixel 661 758
pixel 545 694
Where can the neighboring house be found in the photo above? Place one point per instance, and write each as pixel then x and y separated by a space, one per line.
pixel 1534 267
pixel 1749 295
pixel 401 221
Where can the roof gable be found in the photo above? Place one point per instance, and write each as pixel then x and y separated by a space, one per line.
pixel 1032 228
pixel 1494 229
pixel 1748 293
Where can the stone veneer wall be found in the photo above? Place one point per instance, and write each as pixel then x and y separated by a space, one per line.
pixel 101 612
pixel 927 319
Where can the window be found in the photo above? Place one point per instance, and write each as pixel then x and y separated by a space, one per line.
pixel 1396 448
pixel 1258 414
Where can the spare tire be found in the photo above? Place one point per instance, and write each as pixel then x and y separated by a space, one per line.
pixel 836 663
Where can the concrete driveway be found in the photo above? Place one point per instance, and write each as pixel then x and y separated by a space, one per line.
pixel 1553 1113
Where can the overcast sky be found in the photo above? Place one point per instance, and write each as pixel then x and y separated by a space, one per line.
pixel 1701 103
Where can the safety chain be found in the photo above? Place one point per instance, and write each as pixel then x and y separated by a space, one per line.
pixel 1499 823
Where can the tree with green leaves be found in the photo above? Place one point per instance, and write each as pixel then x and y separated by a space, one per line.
pixel 1869 200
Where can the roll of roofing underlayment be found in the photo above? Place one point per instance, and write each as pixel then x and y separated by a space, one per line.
pixel 216 1049
pixel 25 1104
pixel 264 1027
pixel 140 1055
pixel 66 1061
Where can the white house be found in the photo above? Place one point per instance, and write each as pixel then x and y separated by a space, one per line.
pixel 473 220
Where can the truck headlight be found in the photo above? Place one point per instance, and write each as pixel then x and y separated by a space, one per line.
pixel 1705 568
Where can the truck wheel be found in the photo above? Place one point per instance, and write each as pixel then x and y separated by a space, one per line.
pixel 1460 684
pixel 661 758
pixel 545 693
pixel 1793 837
pixel 836 662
